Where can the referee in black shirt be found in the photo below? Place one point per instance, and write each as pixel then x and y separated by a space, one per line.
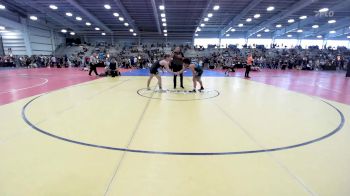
pixel 177 65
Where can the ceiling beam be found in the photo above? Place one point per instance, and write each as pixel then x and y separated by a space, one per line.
pixel 205 11
pixel 91 17
pixel 343 31
pixel 281 15
pixel 238 17
pixel 345 22
pixel 127 15
pixel 156 17
pixel 309 20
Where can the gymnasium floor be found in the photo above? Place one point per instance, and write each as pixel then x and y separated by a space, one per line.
pixel 281 133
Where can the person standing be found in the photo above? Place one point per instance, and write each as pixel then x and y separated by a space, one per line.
pixel 164 63
pixel 348 68
pixel 93 64
pixel 249 65
pixel 176 65
pixel 197 72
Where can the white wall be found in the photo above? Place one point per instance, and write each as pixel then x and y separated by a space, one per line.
pixel 15 41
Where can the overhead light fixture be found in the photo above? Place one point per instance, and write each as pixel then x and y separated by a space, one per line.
pixel 319 36
pixel 163 19
pixel 72 33
pixel 161 7
pixel 258 35
pixel 121 19
pixel 303 17
pixel 165 35
pixel 126 24
pixel 332 21
pixel 299 30
pixel 332 32
pixel 249 20
pixel 53 7
pixel 291 20
pixel 69 14
pixel 202 25
pixel 271 8
pixel 227 35
pixel 115 14
pixel 241 25
pixel 257 16
pixel 2 7
pixel 162 15
pixel 348 36
pixel 2 28
pixel 97 29
pixel 134 34
pixel 103 33
pixel 78 18
pixel 88 24
pixel 108 7
pixel 233 30
pixel 198 29
pixel 64 31
pixel 323 10
pixel 33 18
pixel 164 24
pixel 165 31
pixel 278 26
pixel 267 30
pixel 131 30
pixel 289 35
pixel 196 34
pixel 216 7
pixel 206 19
pixel 315 26
pixel 210 15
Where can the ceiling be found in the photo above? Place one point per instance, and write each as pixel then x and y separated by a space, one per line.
pixel 183 17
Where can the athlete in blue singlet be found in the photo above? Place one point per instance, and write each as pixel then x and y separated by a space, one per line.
pixel 155 73
pixel 197 72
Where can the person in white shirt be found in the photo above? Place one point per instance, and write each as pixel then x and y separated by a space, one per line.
pixel 93 64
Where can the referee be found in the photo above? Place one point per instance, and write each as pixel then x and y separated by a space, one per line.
pixel 93 64
pixel 177 65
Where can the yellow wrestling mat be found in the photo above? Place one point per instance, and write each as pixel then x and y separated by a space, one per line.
pixel 113 137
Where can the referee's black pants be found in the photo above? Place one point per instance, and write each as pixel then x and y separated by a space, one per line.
pixel 181 80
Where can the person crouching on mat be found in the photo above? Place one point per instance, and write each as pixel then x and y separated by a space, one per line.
pixel 197 72
pixel 155 73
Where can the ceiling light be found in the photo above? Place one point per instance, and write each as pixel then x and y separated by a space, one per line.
pixel 69 14
pixel 72 33
pixel 131 30
pixel 227 35
pixel 2 7
pixel 249 20
pixel 33 18
pixel 126 24
pixel 206 19
pixel 78 18
pixel 216 7
pixel 165 31
pixel 161 7
pixel 64 31
pixel 332 21
pixel 2 28
pixel 196 34
pixel 115 14
pixel 108 7
pixel 210 15
pixel 134 34
pixel 289 35
pixel 53 7
pixel 258 35
pixel 323 10
pixel 97 29
pixel 165 34
pixel 315 26
pixel 319 36
pixel 241 25
pixel 88 24
pixel 103 33
pixel 164 24
pixel 291 20
pixel 198 29
pixel 121 19
pixel 348 36
pixel 202 25
pixel 271 8
pixel 162 15
pixel 257 16
pixel 163 19
pixel 233 30
pixel 279 26
pixel 303 17
pixel 267 30
pixel 299 30
pixel 332 32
